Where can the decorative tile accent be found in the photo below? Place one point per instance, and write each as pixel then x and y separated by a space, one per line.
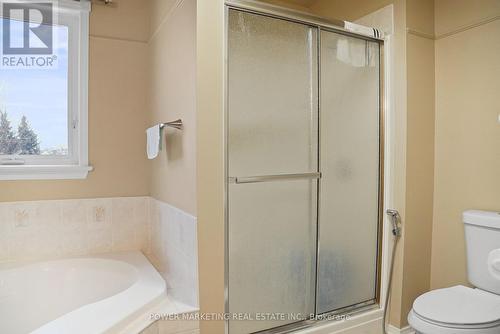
pixel 52 229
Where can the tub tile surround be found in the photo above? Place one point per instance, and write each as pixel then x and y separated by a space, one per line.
pixel 39 230
pixel 53 229
pixel 174 250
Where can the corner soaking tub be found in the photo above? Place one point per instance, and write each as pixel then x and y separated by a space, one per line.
pixel 90 295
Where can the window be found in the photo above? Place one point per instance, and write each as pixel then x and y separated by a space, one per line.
pixel 43 89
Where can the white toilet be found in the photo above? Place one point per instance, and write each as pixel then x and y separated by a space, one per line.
pixel 463 310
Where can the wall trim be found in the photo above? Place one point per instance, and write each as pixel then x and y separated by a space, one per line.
pixel 121 39
pixel 420 34
pixel 454 31
pixel 466 27
pixel 165 18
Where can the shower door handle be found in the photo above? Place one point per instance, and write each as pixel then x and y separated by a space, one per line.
pixel 271 178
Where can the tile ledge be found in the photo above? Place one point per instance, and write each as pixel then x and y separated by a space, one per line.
pixel 165 307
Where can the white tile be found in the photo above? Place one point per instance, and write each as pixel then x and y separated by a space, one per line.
pixel 74 215
pixel 146 228
pixel 173 226
pixel 4 248
pixel 175 231
pixel 47 214
pixel 46 229
pixel 5 224
pixel 21 246
pixel 155 236
pixel 123 237
pixel 123 210
pixel 99 241
pixel 142 239
pixel 74 242
pixel 189 241
pixel 140 210
pixel 156 243
pixel 30 245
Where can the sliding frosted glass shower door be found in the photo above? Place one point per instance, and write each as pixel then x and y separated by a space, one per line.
pixel 350 167
pixel 272 164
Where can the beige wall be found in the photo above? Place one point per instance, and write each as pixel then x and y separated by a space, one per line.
pixel 300 5
pixel 419 153
pixel 467 132
pixel 117 112
pixel 347 9
pixel 172 95
pixel 210 159
pixel 159 11
pixel 420 17
pixel 126 19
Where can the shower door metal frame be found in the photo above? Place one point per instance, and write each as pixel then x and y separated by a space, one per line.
pixel 322 24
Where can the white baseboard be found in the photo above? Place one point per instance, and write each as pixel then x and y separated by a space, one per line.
pixel 405 330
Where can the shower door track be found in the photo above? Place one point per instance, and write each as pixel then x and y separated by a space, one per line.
pixel 322 318
pixel 320 23
pixel 299 17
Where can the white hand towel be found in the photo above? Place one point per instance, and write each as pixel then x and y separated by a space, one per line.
pixel 343 50
pixel 153 141
pixel 357 51
pixel 359 29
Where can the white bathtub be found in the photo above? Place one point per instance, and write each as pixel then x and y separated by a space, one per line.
pixel 90 295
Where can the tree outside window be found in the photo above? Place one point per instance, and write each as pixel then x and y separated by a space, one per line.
pixel 23 142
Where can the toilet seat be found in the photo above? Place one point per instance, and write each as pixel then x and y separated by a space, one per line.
pixel 423 326
pixel 457 309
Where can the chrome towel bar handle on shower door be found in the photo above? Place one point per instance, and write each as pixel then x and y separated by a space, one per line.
pixel 277 177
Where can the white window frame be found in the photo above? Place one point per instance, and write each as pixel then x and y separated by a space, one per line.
pixel 74 15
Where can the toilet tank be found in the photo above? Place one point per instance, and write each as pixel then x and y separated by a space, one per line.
pixel 482 241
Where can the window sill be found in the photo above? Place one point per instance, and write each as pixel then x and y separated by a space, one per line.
pixel 33 172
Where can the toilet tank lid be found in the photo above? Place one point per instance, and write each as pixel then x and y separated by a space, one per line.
pixel 489 219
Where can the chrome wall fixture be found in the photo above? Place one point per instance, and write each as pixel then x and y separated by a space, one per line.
pixel 177 124
pixel 104 2
pixel 271 178
pixel 396 232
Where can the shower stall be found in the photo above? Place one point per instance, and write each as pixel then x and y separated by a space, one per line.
pixel 304 159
